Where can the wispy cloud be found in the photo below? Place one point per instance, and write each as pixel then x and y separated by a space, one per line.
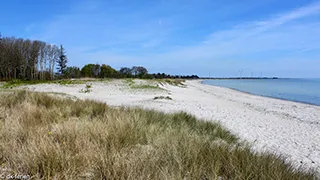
pixel 160 37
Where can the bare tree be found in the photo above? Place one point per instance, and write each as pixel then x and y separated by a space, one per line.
pixel 26 59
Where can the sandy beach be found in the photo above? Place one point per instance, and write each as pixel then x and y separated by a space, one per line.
pixel 282 127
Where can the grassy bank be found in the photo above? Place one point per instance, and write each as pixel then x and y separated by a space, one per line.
pixel 174 82
pixel 49 138
pixel 16 83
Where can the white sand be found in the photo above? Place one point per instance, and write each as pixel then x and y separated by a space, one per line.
pixel 283 127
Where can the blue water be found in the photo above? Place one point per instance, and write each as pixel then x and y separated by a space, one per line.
pixel 299 90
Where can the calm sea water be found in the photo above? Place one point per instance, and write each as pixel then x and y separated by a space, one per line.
pixel 299 90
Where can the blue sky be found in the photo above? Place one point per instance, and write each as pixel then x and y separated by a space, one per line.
pixel 220 37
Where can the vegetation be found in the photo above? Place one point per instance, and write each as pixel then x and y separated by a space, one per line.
pixel 133 85
pixel 68 82
pixel 87 88
pixel 107 71
pixel 173 82
pixel 144 86
pixel 35 60
pixel 56 138
pixel 162 97
pixel 27 59
pixel 16 82
pixel 62 62
pixel 72 72
pixel 130 82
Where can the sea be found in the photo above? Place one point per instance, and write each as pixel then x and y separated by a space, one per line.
pixel 298 90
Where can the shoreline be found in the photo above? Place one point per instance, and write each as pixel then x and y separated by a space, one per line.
pixel 281 127
pixel 283 99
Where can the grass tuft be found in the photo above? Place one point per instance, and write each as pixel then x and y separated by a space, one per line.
pixel 87 89
pixel 60 138
pixel 162 97
pixel 173 82
pixel 144 86
pixel 130 82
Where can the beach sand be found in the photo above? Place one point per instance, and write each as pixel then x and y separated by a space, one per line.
pixel 287 128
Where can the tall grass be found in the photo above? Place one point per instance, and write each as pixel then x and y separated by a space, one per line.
pixel 54 138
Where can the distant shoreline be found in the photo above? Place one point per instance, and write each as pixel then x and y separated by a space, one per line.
pixel 235 78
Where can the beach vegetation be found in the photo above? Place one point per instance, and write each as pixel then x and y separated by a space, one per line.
pixel 16 82
pixel 162 97
pixel 87 89
pixel 173 82
pixel 145 86
pixel 129 81
pixel 60 138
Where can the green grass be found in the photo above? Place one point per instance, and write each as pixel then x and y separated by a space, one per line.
pixel 130 82
pixel 133 85
pixel 57 138
pixel 68 82
pixel 145 86
pixel 16 83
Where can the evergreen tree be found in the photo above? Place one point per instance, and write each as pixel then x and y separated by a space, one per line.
pixel 62 61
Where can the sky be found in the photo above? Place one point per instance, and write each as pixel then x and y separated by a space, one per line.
pixel 217 38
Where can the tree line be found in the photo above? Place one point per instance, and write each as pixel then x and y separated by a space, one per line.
pixel 106 71
pixel 26 59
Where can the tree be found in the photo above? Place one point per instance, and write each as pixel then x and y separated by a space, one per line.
pixel 139 71
pixel 72 72
pixel 108 72
pixel 26 59
pixel 125 72
pixel 53 56
pixel 142 71
pixel 42 57
pixel 87 70
pixel 96 69
pixel 62 61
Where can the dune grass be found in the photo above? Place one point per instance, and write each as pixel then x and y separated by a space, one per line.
pixel 173 82
pixel 55 138
pixel 145 86
pixel 16 82
pixel 131 83
pixel 162 97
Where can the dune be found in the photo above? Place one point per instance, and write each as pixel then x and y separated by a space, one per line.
pixel 282 127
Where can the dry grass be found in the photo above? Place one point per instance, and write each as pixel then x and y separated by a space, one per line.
pixel 173 82
pixel 54 138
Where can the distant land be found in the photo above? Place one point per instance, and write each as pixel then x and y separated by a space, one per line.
pixel 221 78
